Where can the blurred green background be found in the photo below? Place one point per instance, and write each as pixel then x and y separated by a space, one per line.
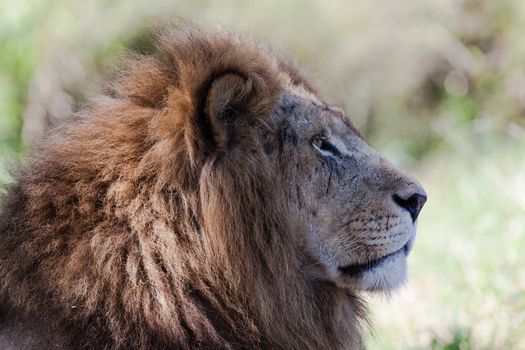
pixel 438 86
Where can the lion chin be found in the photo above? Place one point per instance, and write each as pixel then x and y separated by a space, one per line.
pixel 383 274
pixel 211 201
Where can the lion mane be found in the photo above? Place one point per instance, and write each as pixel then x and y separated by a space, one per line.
pixel 137 225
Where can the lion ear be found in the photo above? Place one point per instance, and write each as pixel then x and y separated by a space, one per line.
pixel 228 105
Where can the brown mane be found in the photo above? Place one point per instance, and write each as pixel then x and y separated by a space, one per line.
pixel 135 227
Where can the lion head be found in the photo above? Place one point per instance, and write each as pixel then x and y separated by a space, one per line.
pixel 359 210
pixel 213 201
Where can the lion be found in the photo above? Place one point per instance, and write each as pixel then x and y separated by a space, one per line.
pixel 211 200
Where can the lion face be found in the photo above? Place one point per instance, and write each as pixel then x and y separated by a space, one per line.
pixel 359 210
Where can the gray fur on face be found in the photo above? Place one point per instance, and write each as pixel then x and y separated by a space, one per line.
pixel 345 197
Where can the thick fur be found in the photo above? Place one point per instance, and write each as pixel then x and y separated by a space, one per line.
pixel 140 225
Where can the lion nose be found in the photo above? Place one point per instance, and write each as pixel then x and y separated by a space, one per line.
pixel 413 203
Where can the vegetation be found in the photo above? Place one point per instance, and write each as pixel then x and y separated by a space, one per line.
pixel 438 86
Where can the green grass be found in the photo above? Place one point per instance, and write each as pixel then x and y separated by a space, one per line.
pixel 6 160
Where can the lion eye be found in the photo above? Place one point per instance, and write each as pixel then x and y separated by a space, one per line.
pixel 324 147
